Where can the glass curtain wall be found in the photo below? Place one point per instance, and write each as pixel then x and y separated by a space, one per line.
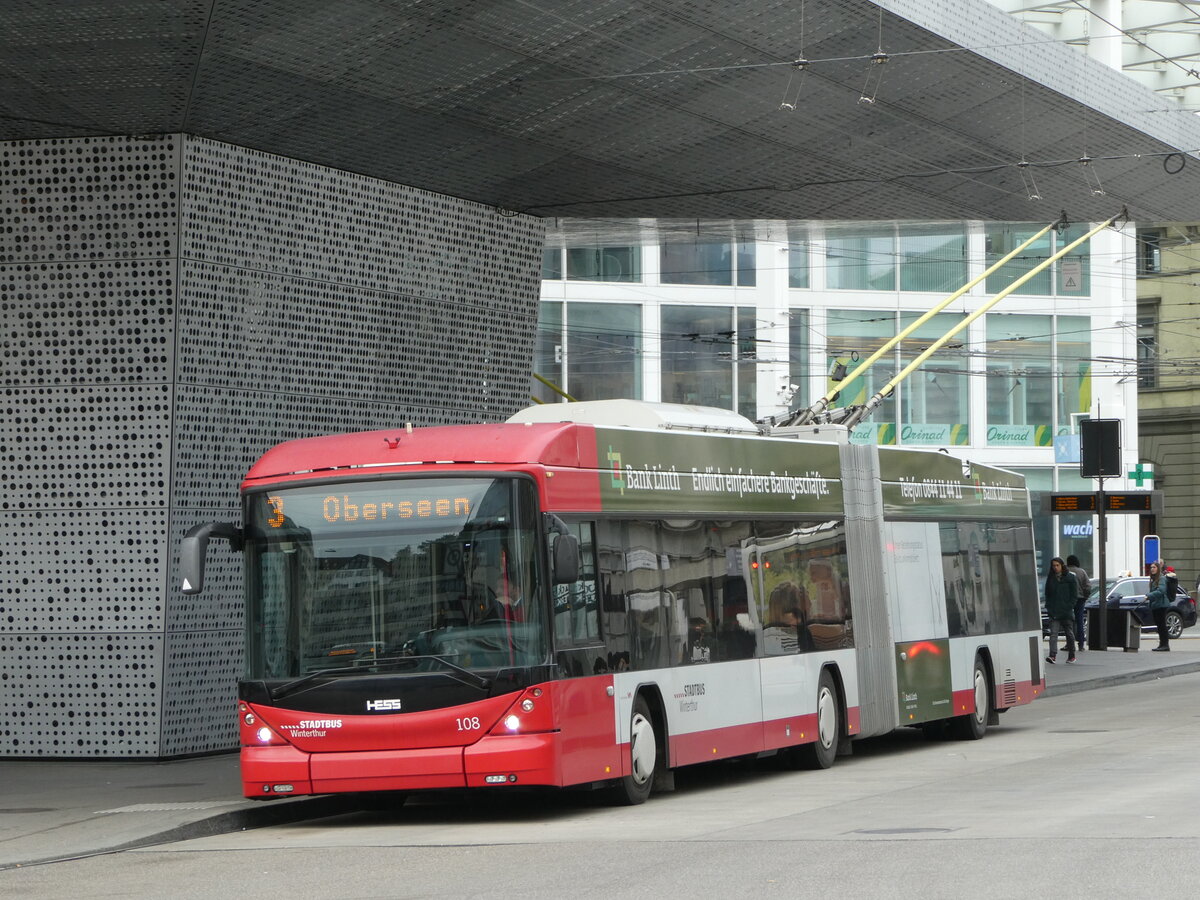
pixel 1076 532
pixel 1037 480
pixel 548 351
pixel 878 258
pixel 860 259
pixel 720 263
pixel 933 258
pixel 798 241
pixel 1020 382
pixel 598 263
pixel 853 335
pixel 1073 351
pixel 798 345
pixel 934 406
pixel 747 362
pixel 604 351
pixel 1068 277
pixel 593 351
pixel 747 263
pixel 697 358
pixel 1001 240
pixel 689 262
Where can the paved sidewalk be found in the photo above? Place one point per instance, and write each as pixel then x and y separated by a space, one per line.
pixel 54 810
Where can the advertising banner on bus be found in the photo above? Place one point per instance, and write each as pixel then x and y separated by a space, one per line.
pixel 919 483
pixel 711 475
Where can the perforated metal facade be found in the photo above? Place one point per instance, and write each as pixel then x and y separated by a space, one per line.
pixel 172 307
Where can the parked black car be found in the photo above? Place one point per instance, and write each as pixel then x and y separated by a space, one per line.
pixel 1130 593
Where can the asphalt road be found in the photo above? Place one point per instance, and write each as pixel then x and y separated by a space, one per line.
pixel 1083 795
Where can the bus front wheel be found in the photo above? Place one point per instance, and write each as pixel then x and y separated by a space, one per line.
pixel 635 787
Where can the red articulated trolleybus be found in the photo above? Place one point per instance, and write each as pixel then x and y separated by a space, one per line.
pixel 593 594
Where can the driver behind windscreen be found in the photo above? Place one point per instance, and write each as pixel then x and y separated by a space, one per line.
pixel 493 588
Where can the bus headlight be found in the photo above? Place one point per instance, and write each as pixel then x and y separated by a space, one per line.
pixel 527 705
pixel 264 735
pixel 512 723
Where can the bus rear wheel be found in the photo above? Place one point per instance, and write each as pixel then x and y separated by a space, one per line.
pixel 821 753
pixel 973 725
pixel 634 788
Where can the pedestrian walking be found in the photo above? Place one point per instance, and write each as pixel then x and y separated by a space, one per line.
pixel 1062 591
pixel 1085 590
pixel 1160 601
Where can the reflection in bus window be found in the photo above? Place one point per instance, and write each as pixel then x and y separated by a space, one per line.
pixel 990 583
pixel 688 592
pixel 689 566
pixel 576 616
pixel 800 575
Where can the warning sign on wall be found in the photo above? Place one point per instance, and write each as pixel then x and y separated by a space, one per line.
pixel 1070 276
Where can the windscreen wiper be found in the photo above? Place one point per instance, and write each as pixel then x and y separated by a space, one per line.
pixel 292 686
pixel 468 677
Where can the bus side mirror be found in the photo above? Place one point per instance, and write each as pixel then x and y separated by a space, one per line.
pixel 194 549
pixel 566 559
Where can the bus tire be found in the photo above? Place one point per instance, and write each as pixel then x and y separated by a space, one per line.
pixel 973 725
pixel 821 753
pixel 635 787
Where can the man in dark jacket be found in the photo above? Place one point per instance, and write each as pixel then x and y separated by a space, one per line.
pixel 1085 588
pixel 1062 590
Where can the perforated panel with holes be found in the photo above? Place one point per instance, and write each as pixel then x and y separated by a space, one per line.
pixel 172 307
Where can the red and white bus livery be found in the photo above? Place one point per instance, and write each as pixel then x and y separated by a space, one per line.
pixel 597 593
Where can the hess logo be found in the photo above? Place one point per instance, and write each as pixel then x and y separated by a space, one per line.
pixel 380 705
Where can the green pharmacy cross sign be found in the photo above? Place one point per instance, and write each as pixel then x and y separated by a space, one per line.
pixel 1144 472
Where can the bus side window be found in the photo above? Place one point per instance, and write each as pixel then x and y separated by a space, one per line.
pixel 629 572
pixel 687 583
pixel 729 594
pixel 576 612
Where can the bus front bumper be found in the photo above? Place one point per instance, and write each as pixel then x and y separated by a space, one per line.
pixel 272 772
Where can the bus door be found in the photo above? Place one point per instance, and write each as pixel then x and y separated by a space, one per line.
pixel 916 592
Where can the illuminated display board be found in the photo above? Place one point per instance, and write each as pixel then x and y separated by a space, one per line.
pixel 1069 503
pixel 387 504
pixel 1140 502
pixel 1128 502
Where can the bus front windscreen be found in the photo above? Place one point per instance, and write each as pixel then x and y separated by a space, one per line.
pixel 361 573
